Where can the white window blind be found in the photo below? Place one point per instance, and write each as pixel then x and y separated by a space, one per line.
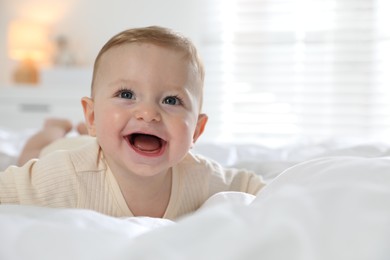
pixel 278 70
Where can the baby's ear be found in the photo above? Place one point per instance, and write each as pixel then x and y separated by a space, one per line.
pixel 200 126
pixel 89 115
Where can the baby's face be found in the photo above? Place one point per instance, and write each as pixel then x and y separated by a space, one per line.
pixel 145 109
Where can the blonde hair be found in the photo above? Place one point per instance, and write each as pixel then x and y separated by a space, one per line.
pixel 156 35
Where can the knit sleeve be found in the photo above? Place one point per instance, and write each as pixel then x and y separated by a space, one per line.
pixel 218 178
pixel 49 181
pixel 245 181
pixel 237 180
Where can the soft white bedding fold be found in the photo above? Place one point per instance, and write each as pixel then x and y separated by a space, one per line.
pixel 41 233
pixel 333 208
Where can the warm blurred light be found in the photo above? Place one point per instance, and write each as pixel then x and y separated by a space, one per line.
pixel 28 40
pixel 28 43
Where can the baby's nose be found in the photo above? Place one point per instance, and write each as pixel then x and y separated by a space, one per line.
pixel 147 112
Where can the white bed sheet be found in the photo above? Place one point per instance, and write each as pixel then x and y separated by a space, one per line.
pixel 327 208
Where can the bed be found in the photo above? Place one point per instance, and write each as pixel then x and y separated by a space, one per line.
pixel 327 200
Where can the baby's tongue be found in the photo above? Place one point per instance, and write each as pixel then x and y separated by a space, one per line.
pixel 146 143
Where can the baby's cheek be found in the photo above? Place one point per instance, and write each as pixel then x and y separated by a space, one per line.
pixel 108 115
pixel 116 117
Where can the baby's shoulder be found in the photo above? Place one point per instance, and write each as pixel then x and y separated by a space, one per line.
pixel 199 163
pixel 68 143
pixel 83 157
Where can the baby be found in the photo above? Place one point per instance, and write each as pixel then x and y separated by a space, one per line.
pixel 144 115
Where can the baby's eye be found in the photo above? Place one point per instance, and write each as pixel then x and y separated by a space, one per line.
pixel 127 94
pixel 172 100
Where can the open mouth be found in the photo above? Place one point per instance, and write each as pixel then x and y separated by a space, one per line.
pixel 146 144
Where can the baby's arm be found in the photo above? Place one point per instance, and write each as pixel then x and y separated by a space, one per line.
pixel 50 181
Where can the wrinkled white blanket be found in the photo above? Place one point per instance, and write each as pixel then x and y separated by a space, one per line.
pixel 329 208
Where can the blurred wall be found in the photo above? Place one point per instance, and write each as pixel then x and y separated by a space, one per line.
pixel 88 23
